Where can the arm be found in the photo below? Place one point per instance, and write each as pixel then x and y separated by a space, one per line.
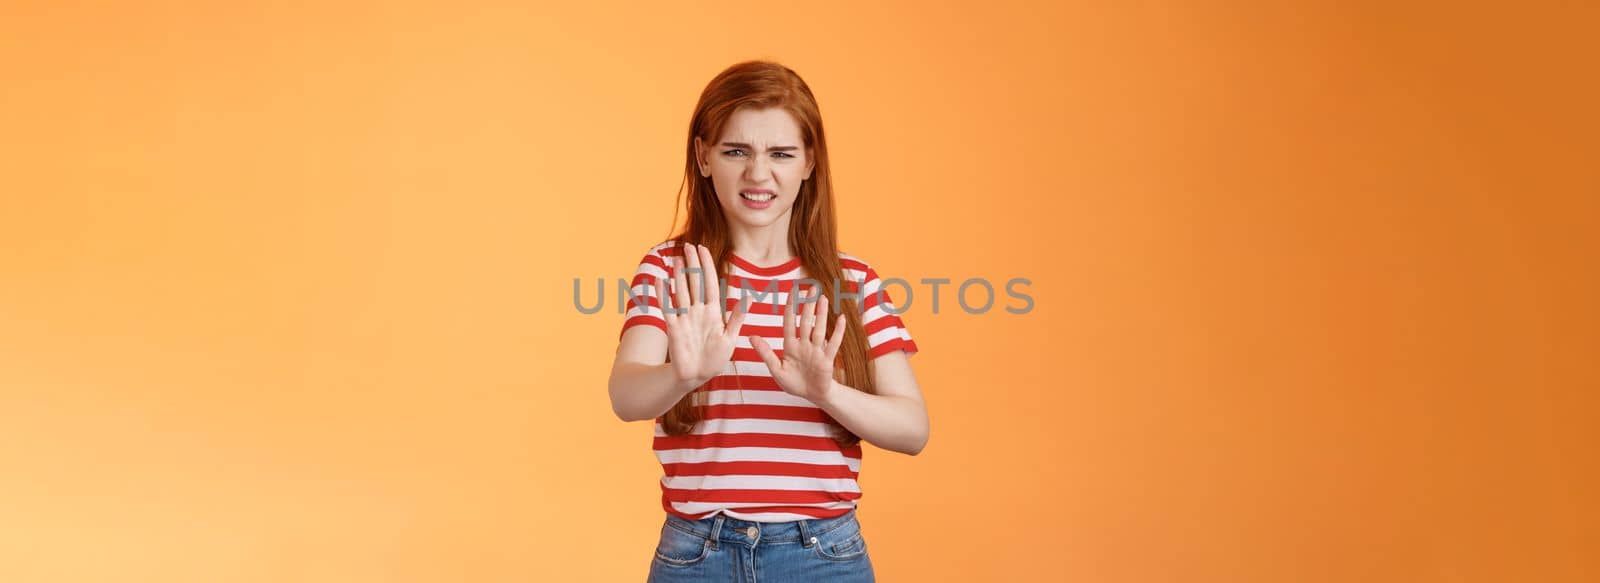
pixel 895 419
pixel 644 384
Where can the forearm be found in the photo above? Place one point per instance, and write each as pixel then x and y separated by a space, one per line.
pixel 644 391
pixel 891 422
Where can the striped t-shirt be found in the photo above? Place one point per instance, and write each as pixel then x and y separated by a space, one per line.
pixel 759 453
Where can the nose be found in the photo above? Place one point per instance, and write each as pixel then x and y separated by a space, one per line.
pixel 756 168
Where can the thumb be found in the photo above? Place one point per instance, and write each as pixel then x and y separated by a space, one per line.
pixel 766 354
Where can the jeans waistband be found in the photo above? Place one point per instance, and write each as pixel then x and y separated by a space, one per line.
pixel 723 528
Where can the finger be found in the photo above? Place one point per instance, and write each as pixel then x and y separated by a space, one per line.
pixel 788 318
pixel 837 338
pixel 661 298
pixel 691 254
pixel 819 330
pixel 735 321
pixel 713 294
pixel 811 321
pixel 803 326
pixel 766 353
pixel 680 286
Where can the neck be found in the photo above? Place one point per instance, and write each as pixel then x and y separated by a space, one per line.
pixel 765 245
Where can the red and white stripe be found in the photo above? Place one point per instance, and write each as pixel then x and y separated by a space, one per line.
pixel 760 453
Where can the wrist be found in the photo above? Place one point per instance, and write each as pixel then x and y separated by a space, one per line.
pixel 829 395
pixel 684 385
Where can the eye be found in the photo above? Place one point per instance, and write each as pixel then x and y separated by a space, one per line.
pixel 740 152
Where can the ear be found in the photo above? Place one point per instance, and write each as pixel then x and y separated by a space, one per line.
pixel 811 164
pixel 700 156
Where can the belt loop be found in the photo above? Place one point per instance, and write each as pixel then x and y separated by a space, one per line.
pixel 716 530
pixel 805 534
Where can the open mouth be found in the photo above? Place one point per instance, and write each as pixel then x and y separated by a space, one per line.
pixel 758 199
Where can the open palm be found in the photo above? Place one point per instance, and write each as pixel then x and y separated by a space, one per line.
pixel 806 367
pixel 699 342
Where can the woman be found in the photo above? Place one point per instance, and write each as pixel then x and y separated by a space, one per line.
pixel 763 379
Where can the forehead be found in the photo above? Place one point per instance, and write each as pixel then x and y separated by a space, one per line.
pixel 770 126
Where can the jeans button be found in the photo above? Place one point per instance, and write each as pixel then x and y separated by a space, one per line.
pixel 751 532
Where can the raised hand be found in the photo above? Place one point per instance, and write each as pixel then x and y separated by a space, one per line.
pixel 699 342
pixel 806 368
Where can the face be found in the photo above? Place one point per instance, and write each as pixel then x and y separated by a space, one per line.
pixel 756 166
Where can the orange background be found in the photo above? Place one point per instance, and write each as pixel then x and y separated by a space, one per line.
pixel 285 294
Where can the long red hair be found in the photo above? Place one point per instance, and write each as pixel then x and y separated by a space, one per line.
pixel 813 231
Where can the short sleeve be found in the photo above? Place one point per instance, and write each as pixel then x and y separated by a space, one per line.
pixel 886 331
pixel 644 308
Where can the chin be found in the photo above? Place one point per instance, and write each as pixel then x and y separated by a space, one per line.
pixel 754 220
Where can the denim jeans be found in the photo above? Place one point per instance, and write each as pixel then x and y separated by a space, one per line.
pixel 727 549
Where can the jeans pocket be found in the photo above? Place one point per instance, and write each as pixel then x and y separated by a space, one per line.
pixel 842 544
pixel 681 549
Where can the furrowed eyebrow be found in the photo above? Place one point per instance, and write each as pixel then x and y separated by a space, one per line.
pixel 749 147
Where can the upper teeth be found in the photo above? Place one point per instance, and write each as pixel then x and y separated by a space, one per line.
pixel 757 196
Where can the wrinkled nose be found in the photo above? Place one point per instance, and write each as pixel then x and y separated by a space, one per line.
pixel 757 168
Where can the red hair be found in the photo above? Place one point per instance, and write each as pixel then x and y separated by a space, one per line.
pixel 813 232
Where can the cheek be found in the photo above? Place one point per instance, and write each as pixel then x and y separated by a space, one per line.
pixel 723 187
pixel 728 192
